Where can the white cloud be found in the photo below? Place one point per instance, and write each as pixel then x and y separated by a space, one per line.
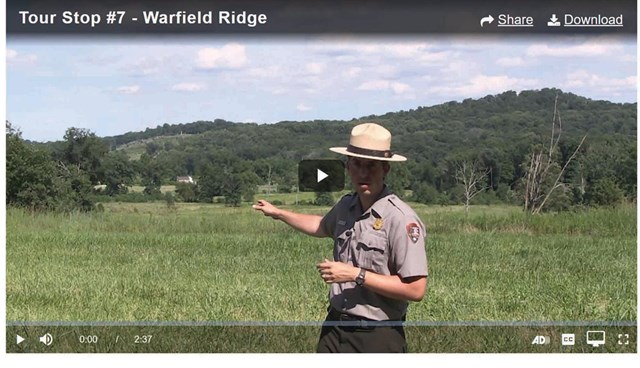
pixel 435 57
pixel 265 72
pixel 628 58
pixel 316 68
pixel 376 85
pixel 14 57
pixel 583 78
pixel 405 50
pixel 459 68
pixel 400 88
pixel 483 84
pixel 145 66
pixel 303 107
pixel 347 49
pixel 232 55
pixel 382 71
pixel 579 78
pixel 382 85
pixel 584 50
pixel 279 91
pixel 509 62
pixel 128 90
pixel 187 87
pixel 352 72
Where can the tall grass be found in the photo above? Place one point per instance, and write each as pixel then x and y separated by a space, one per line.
pixel 146 262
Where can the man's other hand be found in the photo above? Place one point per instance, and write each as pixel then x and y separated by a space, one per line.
pixel 335 272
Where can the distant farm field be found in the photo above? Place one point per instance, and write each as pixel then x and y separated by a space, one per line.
pixel 147 262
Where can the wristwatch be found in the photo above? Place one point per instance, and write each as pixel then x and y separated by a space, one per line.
pixel 360 278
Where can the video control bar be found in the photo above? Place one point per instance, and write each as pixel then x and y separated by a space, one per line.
pixel 302 338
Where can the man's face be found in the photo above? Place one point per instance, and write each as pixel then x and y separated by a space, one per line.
pixel 367 176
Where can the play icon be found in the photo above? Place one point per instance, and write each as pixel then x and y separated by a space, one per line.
pixel 320 176
pixel 19 339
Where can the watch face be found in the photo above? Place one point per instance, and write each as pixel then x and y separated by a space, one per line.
pixel 360 278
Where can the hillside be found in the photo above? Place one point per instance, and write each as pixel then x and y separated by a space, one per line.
pixel 496 133
pixel 496 136
pixel 504 120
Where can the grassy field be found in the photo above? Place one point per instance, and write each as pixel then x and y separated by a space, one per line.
pixel 146 262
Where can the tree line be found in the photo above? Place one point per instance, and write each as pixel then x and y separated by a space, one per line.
pixel 491 140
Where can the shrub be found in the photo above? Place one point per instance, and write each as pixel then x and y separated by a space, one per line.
pixel 324 199
pixel 187 192
pixel 604 192
pixel 426 193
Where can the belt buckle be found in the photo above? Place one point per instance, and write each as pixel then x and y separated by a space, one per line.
pixel 345 317
pixel 355 322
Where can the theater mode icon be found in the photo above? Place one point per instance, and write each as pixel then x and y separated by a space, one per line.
pixel 596 338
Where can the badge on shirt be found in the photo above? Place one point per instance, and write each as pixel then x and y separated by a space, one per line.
pixel 413 230
pixel 377 224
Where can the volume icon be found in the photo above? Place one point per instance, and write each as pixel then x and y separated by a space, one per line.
pixel 46 339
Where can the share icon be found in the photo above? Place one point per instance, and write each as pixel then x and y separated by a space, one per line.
pixel 484 20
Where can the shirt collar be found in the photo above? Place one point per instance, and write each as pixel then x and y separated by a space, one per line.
pixel 385 192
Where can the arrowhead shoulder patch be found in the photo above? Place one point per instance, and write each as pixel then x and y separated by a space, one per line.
pixel 413 231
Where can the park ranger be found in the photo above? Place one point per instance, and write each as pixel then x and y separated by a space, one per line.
pixel 379 258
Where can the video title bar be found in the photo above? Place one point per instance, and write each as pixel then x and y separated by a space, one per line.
pixel 319 17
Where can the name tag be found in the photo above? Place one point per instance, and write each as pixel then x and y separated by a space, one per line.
pixel 342 222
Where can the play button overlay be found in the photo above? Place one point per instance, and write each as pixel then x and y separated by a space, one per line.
pixel 19 339
pixel 320 176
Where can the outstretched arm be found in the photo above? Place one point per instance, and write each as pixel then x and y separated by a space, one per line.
pixel 308 224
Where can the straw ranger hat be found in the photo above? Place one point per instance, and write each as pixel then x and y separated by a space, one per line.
pixel 370 141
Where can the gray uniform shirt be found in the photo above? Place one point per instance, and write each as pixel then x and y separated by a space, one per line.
pixel 388 239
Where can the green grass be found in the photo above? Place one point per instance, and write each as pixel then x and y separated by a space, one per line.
pixel 163 188
pixel 145 262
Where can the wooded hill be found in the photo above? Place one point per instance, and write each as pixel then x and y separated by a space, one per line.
pixel 495 121
pixel 498 132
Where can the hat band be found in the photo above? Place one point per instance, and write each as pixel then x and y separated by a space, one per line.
pixel 369 152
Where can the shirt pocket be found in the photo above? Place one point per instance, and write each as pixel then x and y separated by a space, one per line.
pixel 341 248
pixel 371 252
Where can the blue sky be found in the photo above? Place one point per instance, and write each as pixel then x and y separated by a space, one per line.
pixel 112 86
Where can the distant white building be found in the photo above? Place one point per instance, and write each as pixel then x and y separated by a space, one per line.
pixel 185 179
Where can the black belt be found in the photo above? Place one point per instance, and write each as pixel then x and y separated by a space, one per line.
pixel 357 321
pixel 339 316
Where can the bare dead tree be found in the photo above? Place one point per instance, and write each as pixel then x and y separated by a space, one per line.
pixel 471 177
pixel 269 180
pixel 542 168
